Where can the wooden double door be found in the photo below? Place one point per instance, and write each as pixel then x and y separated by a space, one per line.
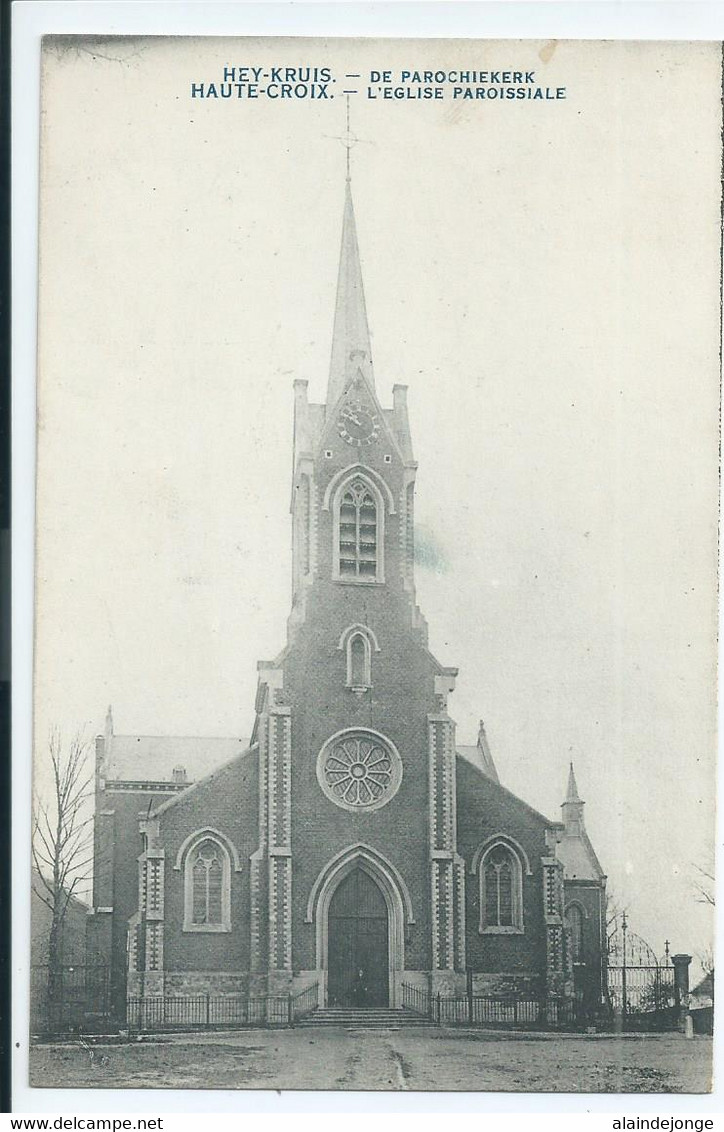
pixel 358 955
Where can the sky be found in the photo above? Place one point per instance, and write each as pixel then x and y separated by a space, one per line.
pixel 544 276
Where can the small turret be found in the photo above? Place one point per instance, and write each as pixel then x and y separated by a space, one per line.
pixel 574 849
pixel 572 808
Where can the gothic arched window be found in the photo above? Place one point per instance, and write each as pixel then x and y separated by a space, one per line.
pixel 501 890
pixel 358 532
pixel 358 642
pixel 574 928
pixel 207 887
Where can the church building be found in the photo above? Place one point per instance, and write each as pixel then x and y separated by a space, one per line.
pixel 351 843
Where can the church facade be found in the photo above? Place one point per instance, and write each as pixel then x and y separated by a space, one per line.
pixel 351 843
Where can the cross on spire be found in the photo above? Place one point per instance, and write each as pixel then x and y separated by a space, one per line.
pixel 349 140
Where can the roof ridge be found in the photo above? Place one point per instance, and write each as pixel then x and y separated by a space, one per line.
pixel 140 735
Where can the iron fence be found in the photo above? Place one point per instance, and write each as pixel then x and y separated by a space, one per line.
pixel 206 1011
pixel 491 1010
pixel 642 992
pixel 417 999
pixel 305 1002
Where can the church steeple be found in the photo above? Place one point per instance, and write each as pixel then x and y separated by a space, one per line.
pixel 351 351
pixel 572 808
pixel 574 849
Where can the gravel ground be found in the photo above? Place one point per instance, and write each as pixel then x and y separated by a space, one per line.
pixel 409 1058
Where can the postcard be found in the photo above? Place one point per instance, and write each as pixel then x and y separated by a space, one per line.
pixel 377 499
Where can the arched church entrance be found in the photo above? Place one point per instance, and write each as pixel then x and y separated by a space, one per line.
pixel 358 942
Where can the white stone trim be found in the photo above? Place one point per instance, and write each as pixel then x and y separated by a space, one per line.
pixel 208 831
pixel 370 483
pixel 395 776
pixel 186 855
pixel 346 641
pixel 350 472
pixel 506 840
pixel 517 911
pixel 382 862
pixel 358 627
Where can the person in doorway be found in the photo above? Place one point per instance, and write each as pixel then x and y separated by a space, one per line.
pixel 359 990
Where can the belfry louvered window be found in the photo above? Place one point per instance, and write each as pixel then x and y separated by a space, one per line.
pixel 358 545
pixel 208 875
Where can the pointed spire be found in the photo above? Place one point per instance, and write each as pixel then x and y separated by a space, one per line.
pixel 351 351
pixel 572 791
pixel 574 849
pixel 572 808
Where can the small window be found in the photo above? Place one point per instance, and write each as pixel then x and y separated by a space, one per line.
pixel 388 459
pixel 359 662
pixel 328 454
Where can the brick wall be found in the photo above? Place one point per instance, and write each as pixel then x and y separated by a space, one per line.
pixel 397 705
pixel 117 844
pixel 588 975
pixel 227 801
pixel 486 809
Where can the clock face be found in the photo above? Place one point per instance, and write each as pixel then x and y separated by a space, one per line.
pixel 357 424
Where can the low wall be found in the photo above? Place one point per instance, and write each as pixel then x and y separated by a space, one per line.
pixel 511 983
pixel 218 983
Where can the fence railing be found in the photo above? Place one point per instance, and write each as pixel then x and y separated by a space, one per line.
pixel 641 990
pixel 306 1002
pixel 202 1011
pixel 495 1010
pixel 417 999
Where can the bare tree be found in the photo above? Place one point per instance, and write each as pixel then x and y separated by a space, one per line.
pixel 615 911
pixel 62 845
pixel 706 960
pixel 704 884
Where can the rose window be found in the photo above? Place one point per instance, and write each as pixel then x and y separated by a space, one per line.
pixel 359 770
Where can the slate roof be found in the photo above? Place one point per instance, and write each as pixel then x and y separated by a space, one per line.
pixel 477 758
pixel 480 756
pixel 579 859
pixel 704 989
pixel 152 758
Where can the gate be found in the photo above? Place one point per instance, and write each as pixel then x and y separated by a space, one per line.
pixel 79 1002
pixel 641 989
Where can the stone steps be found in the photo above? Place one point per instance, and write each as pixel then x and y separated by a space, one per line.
pixel 372 1018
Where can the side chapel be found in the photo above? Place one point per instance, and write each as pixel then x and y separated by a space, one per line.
pixel 351 842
